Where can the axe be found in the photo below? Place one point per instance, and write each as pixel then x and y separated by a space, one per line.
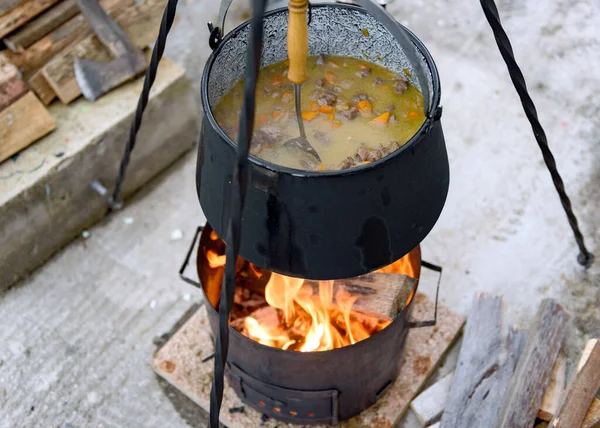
pixel 95 78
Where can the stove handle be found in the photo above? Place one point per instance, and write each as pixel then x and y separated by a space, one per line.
pixel 430 323
pixel 187 260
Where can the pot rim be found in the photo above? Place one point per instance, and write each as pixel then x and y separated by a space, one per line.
pixel 255 160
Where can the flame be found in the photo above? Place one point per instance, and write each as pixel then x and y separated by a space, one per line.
pixel 311 321
pixel 345 301
pixel 304 317
pixel 280 293
pixel 215 260
pixel 402 265
pixel 301 319
pixel 269 337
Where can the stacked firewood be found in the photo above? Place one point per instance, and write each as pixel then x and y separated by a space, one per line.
pixel 520 381
pixel 39 41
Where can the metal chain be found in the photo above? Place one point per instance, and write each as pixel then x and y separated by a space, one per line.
pixel 235 196
pixel 585 258
pixel 115 202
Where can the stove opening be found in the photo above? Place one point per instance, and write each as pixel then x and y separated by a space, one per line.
pixel 304 315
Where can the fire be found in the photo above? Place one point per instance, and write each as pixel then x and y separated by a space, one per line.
pixel 402 265
pixel 215 260
pixel 304 316
pixel 309 321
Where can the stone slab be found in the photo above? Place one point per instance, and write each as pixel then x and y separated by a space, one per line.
pixel 179 362
pixel 45 189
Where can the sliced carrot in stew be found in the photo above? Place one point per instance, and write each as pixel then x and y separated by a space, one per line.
pixel 277 114
pixel 287 97
pixel 309 115
pixel 412 115
pixel 336 124
pixel 314 106
pixel 382 119
pixel 277 80
pixel 365 106
pixel 263 119
pixel 331 116
pixel 321 167
pixel 330 77
pixel 326 109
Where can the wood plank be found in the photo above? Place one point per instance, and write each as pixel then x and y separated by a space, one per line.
pixel 21 14
pixel 429 404
pixel 7 5
pixel 41 25
pixel 425 347
pixel 592 417
pixel 582 390
pixel 42 89
pixel 524 396
pixel 22 123
pixel 479 359
pixel 554 390
pixel 12 86
pixel 498 381
pixel 65 37
pixel 140 22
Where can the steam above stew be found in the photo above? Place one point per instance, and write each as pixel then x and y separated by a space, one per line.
pixel 354 113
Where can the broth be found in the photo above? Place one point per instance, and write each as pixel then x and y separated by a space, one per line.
pixel 354 113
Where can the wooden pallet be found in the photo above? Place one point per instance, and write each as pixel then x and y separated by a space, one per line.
pixel 179 362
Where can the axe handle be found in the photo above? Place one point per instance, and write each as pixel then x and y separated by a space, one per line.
pixel 109 33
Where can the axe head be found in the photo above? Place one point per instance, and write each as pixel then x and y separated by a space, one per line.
pixel 96 78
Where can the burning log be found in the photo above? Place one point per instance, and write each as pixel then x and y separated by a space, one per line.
pixel 377 293
pixel 380 293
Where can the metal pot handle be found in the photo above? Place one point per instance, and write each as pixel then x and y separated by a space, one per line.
pixel 187 260
pixel 217 33
pixel 375 9
pixel 433 322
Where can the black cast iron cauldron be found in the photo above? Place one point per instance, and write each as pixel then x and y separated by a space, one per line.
pixel 332 224
pixel 308 387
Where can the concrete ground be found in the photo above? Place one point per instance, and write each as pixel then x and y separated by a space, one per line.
pixel 77 337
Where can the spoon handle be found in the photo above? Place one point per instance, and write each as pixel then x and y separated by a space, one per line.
pixel 297 40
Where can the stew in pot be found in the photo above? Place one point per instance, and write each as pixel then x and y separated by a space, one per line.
pixel 354 113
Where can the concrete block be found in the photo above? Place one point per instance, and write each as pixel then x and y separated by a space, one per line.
pixel 45 194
